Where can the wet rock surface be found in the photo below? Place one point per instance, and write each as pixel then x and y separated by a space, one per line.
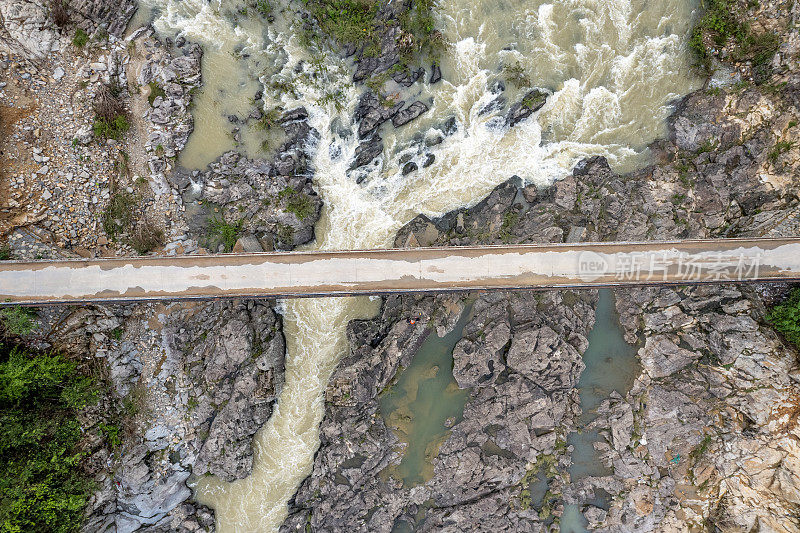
pixel 533 101
pixel 272 201
pixel 199 378
pixel 194 381
pixel 706 434
pixel 509 422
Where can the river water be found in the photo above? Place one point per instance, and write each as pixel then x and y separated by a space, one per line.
pixel 611 365
pixel 424 403
pixel 612 66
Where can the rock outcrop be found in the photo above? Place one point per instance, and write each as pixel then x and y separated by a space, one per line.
pixel 707 433
pixel 517 411
pixel 27 27
pixel 196 379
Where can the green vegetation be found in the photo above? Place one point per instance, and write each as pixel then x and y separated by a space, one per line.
pixel 335 97
pixel 781 147
pixel 545 465
pixel 283 86
pixel 119 218
pixel 225 233
pixel 17 321
pixel 701 449
pixel 113 129
pixel 5 252
pixel 118 214
pixel 135 402
pixel 377 81
pixel 348 21
pixel 80 39
pixel 419 24
pixel 726 21
pixel 534 100
pixel 297 202
pixel 264 7
pixel 42 487
pixel 510 219
pixel 707 146
pixel 285 233
pixel 111 433
pixel 269 120
pixel 785 318
pixel 357 22
pixel 525 494
pixel 146 237
pixel 678 198
pixel 110 120
pixel 155 91
pixel 515 75
pixel 547 505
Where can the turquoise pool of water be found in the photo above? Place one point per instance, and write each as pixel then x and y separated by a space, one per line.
pixel 424 403
pixel 611 365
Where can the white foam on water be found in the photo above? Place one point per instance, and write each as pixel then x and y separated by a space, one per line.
pixel 611 66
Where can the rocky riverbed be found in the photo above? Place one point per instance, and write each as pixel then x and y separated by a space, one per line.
pixel 707 435
pixel 718 388
pixel 192 383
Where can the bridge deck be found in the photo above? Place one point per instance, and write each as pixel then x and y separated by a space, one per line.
pixel 299 274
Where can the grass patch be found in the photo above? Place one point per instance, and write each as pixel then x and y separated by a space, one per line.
pixel 701 449
pixel 269 120
pixel 726 21
pixel 5 252
pixel 118 214
pixel 80 39
pixel 357 22
pixel 335 97
pixel 297 203
pixel 678 198
pixel 510 219
pixel 706 146
pixel 781 147
pixel 17 321
pixel 785 318
pixel 515 75
pixel 113 129
pixel 227 234
pixel 534 100
pixel 301 206
pixel 42 487
pixel 155 91
pixel 111 119
pixel 348 21
pixel 425 40
pixel 264 7
pixel 285 233
pixel 135 402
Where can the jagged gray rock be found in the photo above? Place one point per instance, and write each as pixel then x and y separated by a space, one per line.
pixel 408 114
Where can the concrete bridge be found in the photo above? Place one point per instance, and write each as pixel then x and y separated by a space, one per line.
pixel 302 274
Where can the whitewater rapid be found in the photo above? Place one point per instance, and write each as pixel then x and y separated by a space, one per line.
pixel 612 67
